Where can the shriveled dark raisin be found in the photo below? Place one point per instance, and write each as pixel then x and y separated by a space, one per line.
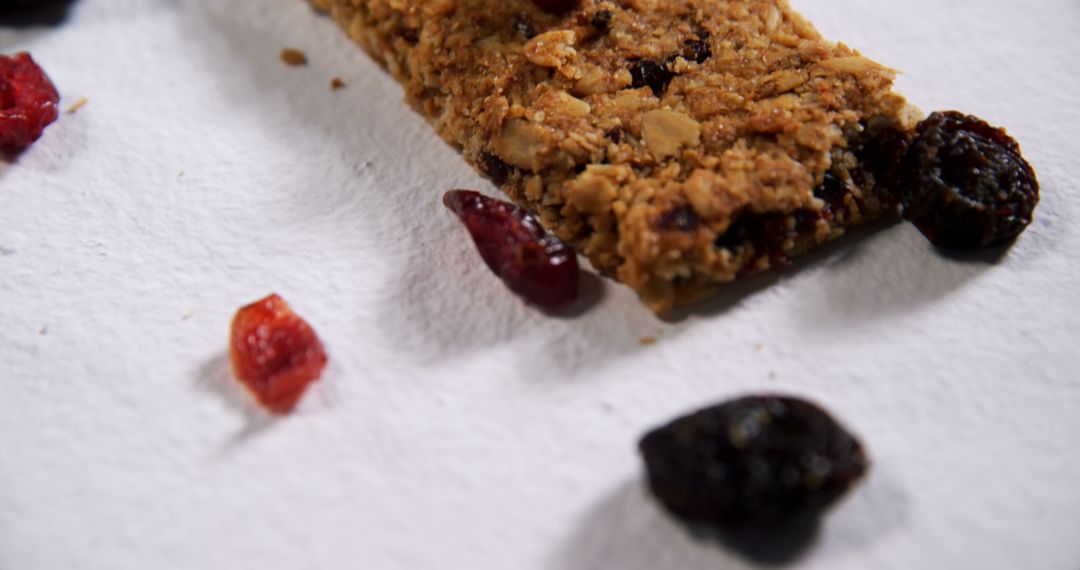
pixel 495 168
pixel 679 219
pixel 531 262
pixel 967 185
pixel 524 26
pixel 556 6
pixel 754 462
pixel 653 74
pixel 615 135
pixel 601 21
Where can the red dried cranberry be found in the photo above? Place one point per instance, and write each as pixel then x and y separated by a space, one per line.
pixel 275 353
pixel 27 101
pixel 756 462
pixel 532 262
pixel 556 6
pixel 967 185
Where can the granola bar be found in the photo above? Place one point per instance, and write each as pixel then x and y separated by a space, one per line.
pixel 676 143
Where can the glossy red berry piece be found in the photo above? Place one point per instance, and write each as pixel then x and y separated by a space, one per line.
pixel 28 101
pixel 556 6
pixel 275 354
pixel 532 262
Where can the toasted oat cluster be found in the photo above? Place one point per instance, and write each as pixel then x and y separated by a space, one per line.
pixel 676 143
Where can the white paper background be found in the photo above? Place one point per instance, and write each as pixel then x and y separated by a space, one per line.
pixel 457 428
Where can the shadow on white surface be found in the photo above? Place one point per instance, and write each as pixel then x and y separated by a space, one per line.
pixel 215 378
pixel 627 530
pixel 438 301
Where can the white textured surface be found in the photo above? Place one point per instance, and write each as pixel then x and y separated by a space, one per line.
pixel 457 428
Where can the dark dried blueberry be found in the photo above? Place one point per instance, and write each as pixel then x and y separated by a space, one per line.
pixel 755 462
pixel 967 185
pixel 495 168
pixel 679 219
pixel 832 191
pixel 532 262
pixel 601 21
pixel 524 26
pixel 766 233
pixel 654 74
pixel 882 155
pixel 697 49
pixel 615 135
pixel 556 6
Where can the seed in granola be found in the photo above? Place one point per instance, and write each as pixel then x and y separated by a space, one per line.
pixel 756 462
pixel 530 261
pixel 656 75
pixel 524 26
pixel 967 185
pixel 601 21
pixel 293 56
pixel 556 6
pixel 495 168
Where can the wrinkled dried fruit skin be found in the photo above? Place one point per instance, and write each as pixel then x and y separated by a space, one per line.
pixel 28 102
pixel 532 263
pixel 654 74
pixel 755 462
pixel 697 49
pixel 275 354
pixel 967 185
pixel 556 6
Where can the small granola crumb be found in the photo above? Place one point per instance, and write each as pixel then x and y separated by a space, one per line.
pixel 293 57
pixel 648 341
pixel 337 83
pixel 77 105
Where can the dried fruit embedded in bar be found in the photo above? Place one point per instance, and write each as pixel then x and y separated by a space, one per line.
pixel 601 21
pixel 754 462
pixel 275 354
pixel 28 101
pixel 697 49
pixel 532 262
pixel 967 185
pixel 556 6
pixel 654 74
